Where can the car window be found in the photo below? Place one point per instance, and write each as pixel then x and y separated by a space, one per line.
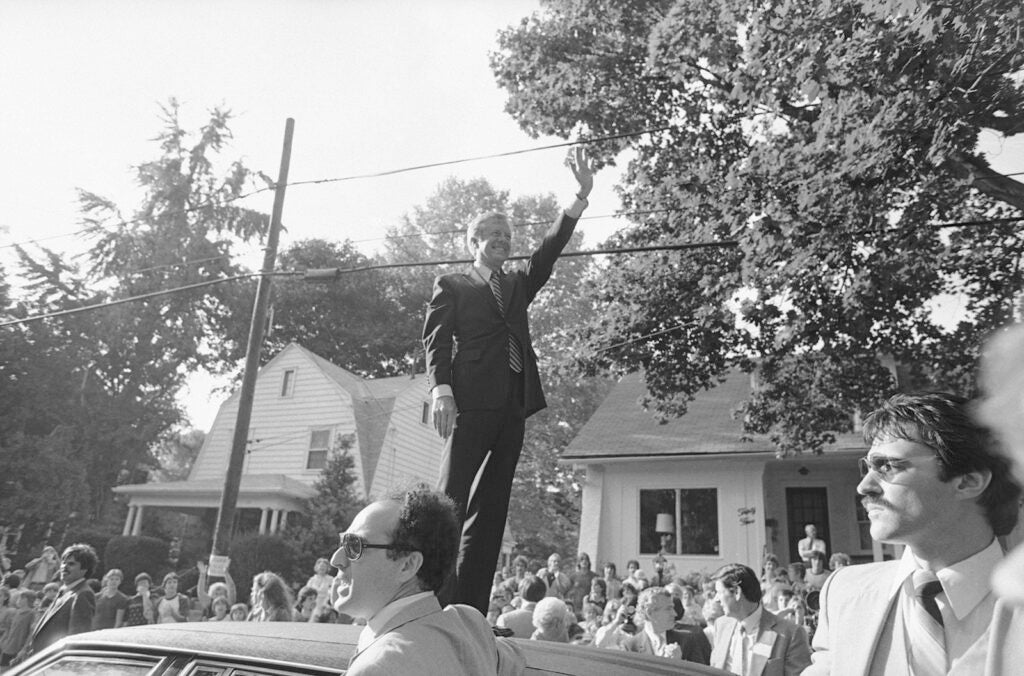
pixel 208 669
pixel 95 666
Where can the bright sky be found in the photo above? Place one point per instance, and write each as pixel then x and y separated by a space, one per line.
pixel 372 86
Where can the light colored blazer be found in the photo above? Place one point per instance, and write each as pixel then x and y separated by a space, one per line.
pixel 424 639
pixel 780 649
pixel 855 604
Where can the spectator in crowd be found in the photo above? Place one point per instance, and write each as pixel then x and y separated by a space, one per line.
pixel 271 600
pixel 520 621
pixel 219 609
pixel 809 544
pixel 598 595
pixel 612 581
pixel 581 580
pixel 619 619
pixel 141 608
pixel 50 591
pixel 790 607
pixel 551 620
pixel 391 562
pixel 657 634
pixel 172 606
pixel 42 569
pixel 6 608
pixel 692 611
pixel 558 583
pixel 305 603
pixel 816 576
pixel 663 572
pixel 591 623
pixel 501 602
pixel 769 570
pixel 239 613
pixel 635 576
pixel 932 483
pixel 520 570
pixel 72 611
pixel 750 639
pixel 207 593
pixel 838 560
pixel 321 581
pixel 798 577
pixel 11 581
pixel 110 602
pixel 712 610
pixel 17 626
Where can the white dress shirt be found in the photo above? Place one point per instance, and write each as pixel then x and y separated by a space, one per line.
pixel 742 644
pixel 381 618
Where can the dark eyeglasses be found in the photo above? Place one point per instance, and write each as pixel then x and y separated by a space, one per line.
pixel 885 467
pixel 353 545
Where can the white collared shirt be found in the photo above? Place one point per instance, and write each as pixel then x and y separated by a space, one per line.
pixel 966 602
pixel 376 623
pixel 743 639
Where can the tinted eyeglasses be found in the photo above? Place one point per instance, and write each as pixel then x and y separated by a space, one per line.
pixel 885 467
pixel 353 545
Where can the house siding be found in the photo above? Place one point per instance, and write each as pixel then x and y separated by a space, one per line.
pixel 412 449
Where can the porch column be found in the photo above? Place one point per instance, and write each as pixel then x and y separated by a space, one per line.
pixel 137 526
pixel 128 520
pixel 274 516
pixel 263 521
pixel 284 519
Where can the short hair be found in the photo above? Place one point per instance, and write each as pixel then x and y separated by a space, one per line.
pixel 170 576
pixel 816 555
pixel 85 555
pixel 474 227
pixel 239 606
pixel 736 575
pixel 325 560
pixel 839 559
pixel 274 592
pixel 218 587
pixel 633 562
pixel 521 560
pixel 51 586
pixel 798 569
pixel 112 572
pixel 304 593
pixel 221 601
pixel 12 580
pixel 943 422
pixel 533 589
pixel 143 576
pixel 427 523
pixel 551 613
pixel 647 597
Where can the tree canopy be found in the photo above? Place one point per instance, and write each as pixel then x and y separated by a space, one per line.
pixel 811 150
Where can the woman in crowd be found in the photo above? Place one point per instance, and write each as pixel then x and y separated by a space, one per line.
pixel 598 595
pixel 271 600
pixel 581 580
pixel 321 581
pixel 769 570
pixel 110 602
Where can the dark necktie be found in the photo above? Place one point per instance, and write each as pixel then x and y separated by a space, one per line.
pixel 925 626
pixel 515 352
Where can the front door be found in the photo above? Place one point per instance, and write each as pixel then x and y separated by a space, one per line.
pixel 806 505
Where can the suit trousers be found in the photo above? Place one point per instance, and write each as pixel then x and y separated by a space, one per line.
pixel 482 513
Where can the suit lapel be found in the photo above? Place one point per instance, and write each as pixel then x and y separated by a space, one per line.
pixel 57 604
pixel 417 610
pixel 483 287
pixel 762 650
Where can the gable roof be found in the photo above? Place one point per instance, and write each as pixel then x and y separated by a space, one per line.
pixel 621 428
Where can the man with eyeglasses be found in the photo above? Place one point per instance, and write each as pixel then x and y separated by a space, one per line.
pixel 932 483
pixel 391 562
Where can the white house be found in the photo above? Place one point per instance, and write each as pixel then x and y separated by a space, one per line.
pixel 303 407
pixel 715 497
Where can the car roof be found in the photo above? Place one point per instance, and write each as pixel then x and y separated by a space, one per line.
pixel 331 646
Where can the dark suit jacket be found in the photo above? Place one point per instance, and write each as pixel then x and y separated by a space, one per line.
pixel 70 613
pixel 466 337
pixel 780 649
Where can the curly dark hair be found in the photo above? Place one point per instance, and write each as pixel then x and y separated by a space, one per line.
pixel 943 422
pixel 85 555
pixel 427 524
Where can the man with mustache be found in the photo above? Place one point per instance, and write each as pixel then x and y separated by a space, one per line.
pixel 484 381
pixel 931 482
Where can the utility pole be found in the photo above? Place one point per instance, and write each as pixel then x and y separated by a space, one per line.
pixel 229 497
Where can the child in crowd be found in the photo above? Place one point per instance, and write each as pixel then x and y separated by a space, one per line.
pixel 321 581
pixel 110 602
pixel 305 604
pixel 173 607
pixel 50 591
pixel 207 593
pixel 239 612
pixel 219 609
pixel 598 595
pixel 140 609
pixel 18 626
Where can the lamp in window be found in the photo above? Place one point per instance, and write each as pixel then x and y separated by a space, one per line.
pixel 665 527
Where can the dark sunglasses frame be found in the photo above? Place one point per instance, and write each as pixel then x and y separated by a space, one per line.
pixel 353 545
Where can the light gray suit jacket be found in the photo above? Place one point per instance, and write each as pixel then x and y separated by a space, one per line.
pixel 780 649
pixel 424 639
pixel 855 605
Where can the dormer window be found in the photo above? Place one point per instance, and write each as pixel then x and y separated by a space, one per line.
pixel 287 382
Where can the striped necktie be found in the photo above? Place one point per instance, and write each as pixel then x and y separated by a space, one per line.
pixel 925 626
pixel 515 352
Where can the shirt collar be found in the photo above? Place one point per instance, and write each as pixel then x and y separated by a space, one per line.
pixel 483 271
pixel 752 622
pixel 965 583
pixel 384 615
